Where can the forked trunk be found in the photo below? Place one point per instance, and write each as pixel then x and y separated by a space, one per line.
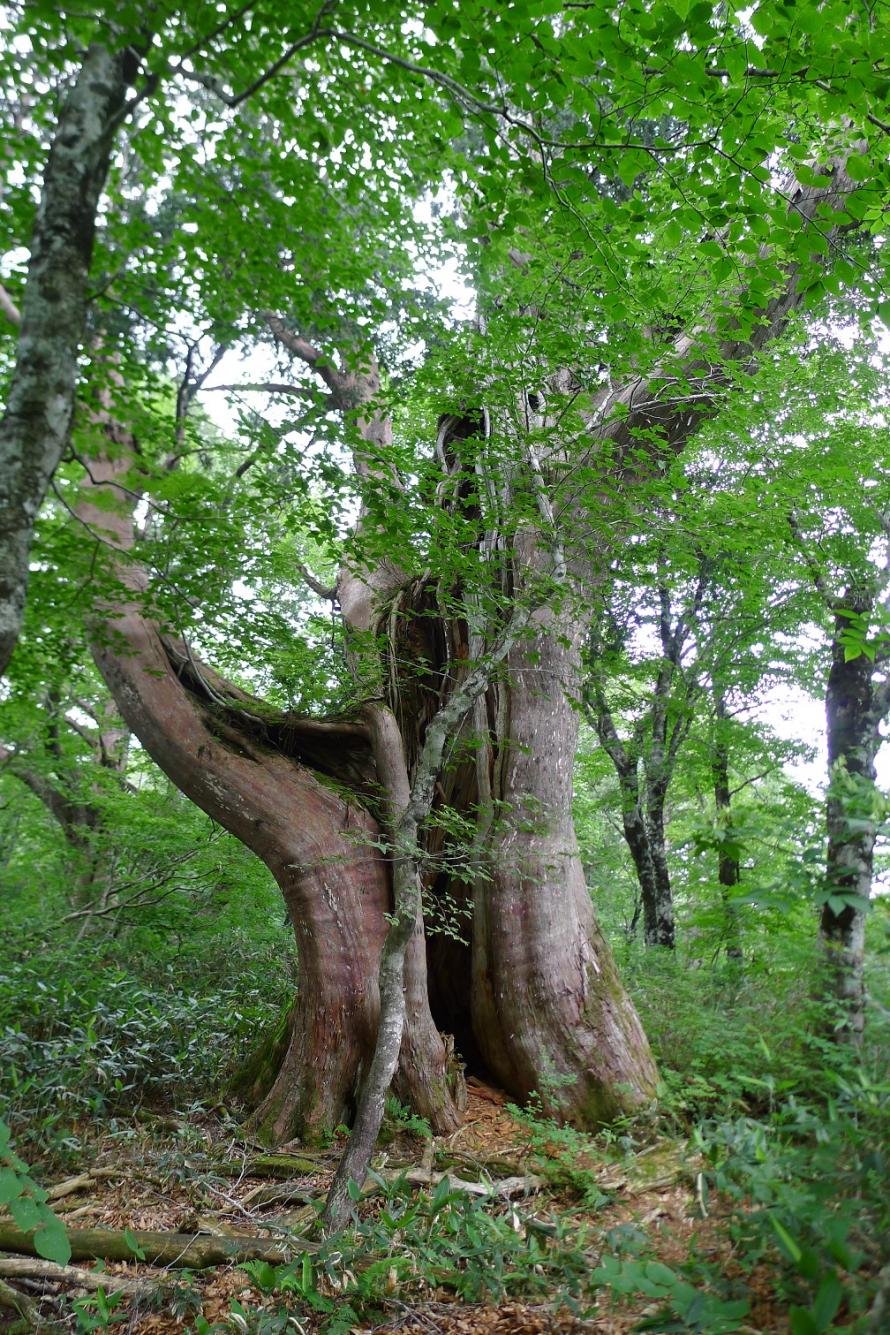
pixel 250 772
pixel 548 1011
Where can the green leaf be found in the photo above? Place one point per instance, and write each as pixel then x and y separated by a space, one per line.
pixel 51 1242
pixel 11 1185
pixel 802 1323
pixel 27 1213
pixel 858 167
pixel 660 1273
pixel 827 1301
pixel 807 174
pixel 785 1238
pixel 132 1242
pixel 672 234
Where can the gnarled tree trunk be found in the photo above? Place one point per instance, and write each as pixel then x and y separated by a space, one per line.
pixel 267 781
pixel 547 1010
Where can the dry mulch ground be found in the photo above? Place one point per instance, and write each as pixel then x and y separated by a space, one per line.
pixel 168 1175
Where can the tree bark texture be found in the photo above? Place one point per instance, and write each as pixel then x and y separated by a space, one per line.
pixel 729 872
pixel 36 424
pixel 855 705
pixel 549 1012
pixel 252 775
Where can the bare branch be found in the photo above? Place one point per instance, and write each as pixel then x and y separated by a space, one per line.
pixel 305 352
pixel 9 308
pixel 326 591
pixel 260 387
pixel 817 574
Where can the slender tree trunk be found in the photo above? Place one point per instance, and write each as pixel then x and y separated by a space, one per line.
pixel 637 838
pixel 40 404
pixel 643 826
pixel 658 913
pixel 854 705
pixel 728 868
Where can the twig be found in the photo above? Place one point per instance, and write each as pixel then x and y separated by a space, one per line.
pixel 9 308
pixel 27 1310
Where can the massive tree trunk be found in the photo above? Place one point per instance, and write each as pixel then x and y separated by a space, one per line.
pixel 549 1012
pixel 278 784
pixel 36 424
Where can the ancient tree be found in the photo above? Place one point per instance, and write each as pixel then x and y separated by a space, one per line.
pixel 615 314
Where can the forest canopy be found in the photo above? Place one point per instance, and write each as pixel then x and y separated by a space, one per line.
pixel 438 442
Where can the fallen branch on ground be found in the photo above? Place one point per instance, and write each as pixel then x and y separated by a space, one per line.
pixel 422 1177
pixel 17 1302
pixel 190 1250
pixel 280 1166
pixel 26 1267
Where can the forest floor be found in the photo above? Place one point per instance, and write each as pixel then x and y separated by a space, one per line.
pixel 190 1175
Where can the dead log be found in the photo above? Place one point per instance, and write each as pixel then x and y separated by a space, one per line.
pixel 186 1250
pixel 26 1267
pixel 279 1166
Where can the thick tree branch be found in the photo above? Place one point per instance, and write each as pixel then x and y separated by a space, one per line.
pixel 654 415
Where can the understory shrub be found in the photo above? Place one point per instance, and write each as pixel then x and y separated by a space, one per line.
pixel 84 1038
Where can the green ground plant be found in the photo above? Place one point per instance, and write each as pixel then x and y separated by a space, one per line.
pixel 85 1040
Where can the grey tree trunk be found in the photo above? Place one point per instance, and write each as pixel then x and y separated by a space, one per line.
pixel 36 424
pixel 855 705
pixel 729 872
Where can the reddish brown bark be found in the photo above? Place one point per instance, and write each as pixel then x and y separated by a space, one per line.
pixel 549 1011
pixel 316 842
